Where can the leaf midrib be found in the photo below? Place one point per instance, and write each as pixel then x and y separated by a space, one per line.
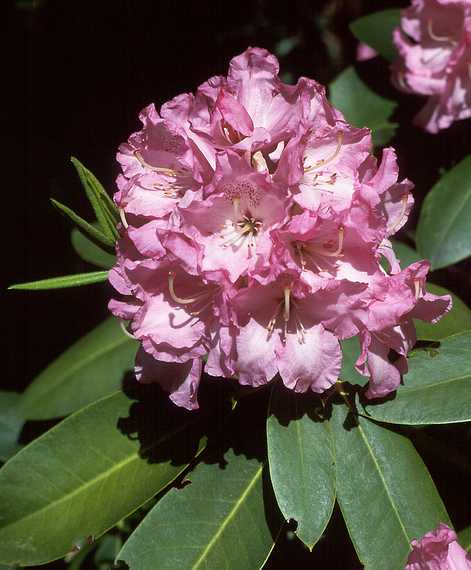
pixel 373 457
pixel 228 519
pixel 90 482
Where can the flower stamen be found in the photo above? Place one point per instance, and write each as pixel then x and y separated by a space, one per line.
pixel 333 156
pixel 175 297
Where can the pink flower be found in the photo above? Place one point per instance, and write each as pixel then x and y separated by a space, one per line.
pixel 434 44
pixel 254 221
pixel 438 550
pixel 365 52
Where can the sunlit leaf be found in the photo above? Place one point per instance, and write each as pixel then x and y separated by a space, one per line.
pixel 77 280
pixel 443 232
pixel 376 30
pixel 217 521
pixel 436 389
pixel 88 228
pixel 91 368
pixel 361 106
pixel 384 490
pixel 81 478
pixel 300 454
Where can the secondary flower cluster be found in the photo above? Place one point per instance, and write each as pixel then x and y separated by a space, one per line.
pixel 254 220
pixel 438 550
pixel 434 44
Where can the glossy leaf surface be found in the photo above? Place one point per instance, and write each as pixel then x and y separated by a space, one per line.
pixel 11 422
pixel 216 521
pixel 91 368
pixel 301 459
pixel 376 30
pixel 443 232
pixel 384 490
pixel 361 106
pixel 436 389
pixel 90 252
pixel 78 480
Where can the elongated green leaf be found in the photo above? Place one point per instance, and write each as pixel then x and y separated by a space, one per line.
pixel 88 228
pixel 91 252
pixel 376 30
pixel 384 490
pixel 217 521
pixel 77 280
pixel 11 422
pixel 443 232
pixel 78 480
pixel 436 389
pixel 464 538
pixel 101 203
pixel 350 353
pixel 456 321
pixel 301 459
pixel 91 368
pixel 361 106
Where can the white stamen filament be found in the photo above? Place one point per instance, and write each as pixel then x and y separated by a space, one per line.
pixel 162 169
pixel 338 251
pixel 236 205
pixel 417 288
pixel 175 297
pixel 324 161
pixel 397 225
pixel 124 221
pixel 287 295
pixel 434 36
pixel 126 332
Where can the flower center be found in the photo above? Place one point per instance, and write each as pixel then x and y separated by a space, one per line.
pixel 306 250
pixel 285 310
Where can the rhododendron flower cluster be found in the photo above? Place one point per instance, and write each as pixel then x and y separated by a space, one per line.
pixel 438 550
pixel 434 44
pixel 254 220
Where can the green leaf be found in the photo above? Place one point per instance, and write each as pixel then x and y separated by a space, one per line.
pixel 79 479
pixel 77 280
pixel 456 321
pixel 301 459
pixel 376 30
pixel 217 521
pixel 91 252
pixel 443 232
pixel 350 353
pixel 103 206
pixel 11 422
pixel 436 389
pixel 464 538
pixel 406 254
pixel 91 368
pixel 88 228
pixel 384 490
pixel 361 106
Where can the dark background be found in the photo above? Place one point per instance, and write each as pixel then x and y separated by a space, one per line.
pixel 76 74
